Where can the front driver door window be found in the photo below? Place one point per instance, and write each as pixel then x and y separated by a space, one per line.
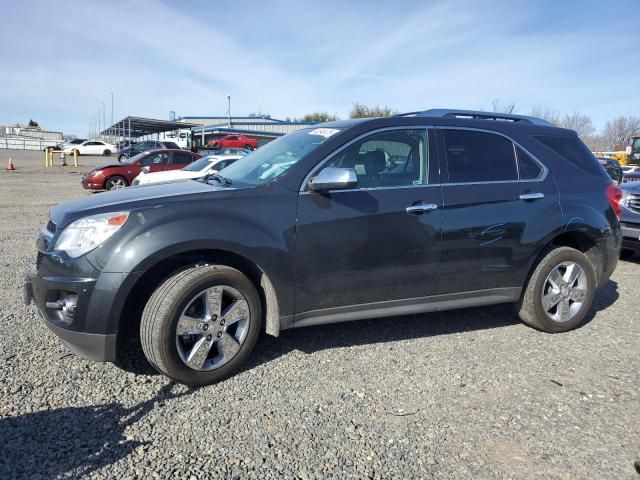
pixel 361 245
pixel 156 162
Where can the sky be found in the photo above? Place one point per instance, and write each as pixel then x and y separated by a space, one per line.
pixel 60 61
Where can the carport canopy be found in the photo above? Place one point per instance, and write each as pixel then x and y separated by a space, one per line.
pixel 134 127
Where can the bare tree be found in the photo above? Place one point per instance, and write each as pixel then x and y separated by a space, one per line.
pixel 362 111
pixel 499 108
pixel 618 131
pixel 581 124
pixel 316 117
pixel 547 114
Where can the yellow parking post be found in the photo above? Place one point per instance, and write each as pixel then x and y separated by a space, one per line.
pixel 75 157
pixel 46 157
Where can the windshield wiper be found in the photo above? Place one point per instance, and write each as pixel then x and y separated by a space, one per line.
pixel 218 177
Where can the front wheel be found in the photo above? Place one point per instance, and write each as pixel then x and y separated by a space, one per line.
pixel 201 324
pixel 560 291
pixel 107 153
pixel 115 182
pixel 123 157
pixel 248 146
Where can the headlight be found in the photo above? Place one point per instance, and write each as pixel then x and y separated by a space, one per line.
pixel 624 201
pixel 87 233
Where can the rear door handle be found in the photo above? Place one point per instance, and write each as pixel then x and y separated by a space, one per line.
pixel 421 208
pixel 531 196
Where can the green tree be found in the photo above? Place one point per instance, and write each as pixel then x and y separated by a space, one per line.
pixel 363 111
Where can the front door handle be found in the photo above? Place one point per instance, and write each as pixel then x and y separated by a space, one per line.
pixel 531 196
pixel 421 208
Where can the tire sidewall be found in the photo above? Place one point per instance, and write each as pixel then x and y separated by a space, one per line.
pixel 175 365
pixel 553 259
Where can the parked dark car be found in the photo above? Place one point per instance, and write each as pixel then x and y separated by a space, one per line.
pixel 112 176
pixel 613 168
pixel 346 220
pixel 630 219
pixel 140 147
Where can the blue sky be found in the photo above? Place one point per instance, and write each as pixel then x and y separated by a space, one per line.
pixel 60 60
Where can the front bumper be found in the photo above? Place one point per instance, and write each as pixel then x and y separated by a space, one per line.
pixel 91 183
pixel 72 325
pixel 630 235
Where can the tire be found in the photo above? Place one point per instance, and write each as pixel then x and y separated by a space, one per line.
pixel 248 147
pixel 123 157
pixel 172 301
pixel 627 253
pixel 107 153
pixel 216 146
pixel 116 182
pixel 531 308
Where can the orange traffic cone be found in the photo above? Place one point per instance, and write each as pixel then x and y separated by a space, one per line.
pixel 10 165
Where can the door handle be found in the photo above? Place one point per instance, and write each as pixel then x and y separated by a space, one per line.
pixel 421 208
pixel 531 196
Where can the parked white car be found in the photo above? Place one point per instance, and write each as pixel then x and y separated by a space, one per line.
pixel 92 147
pixel 197 169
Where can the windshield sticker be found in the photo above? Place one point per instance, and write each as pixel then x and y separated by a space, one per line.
pixel 324 132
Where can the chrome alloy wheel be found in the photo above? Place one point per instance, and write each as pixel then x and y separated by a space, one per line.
pixel 117 183
pixel 212 328
pixel 564 291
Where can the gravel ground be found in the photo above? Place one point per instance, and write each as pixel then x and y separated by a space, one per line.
pixel 464 394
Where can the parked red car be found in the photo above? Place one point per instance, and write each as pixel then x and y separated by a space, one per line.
pixel 233 141
pixel 119 175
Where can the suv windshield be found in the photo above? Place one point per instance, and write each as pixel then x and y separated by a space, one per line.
pixel 273 159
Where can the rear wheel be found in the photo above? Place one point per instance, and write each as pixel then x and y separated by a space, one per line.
pixel 560 291
pixel 248 146
pixel 115 182
pixel 201 324
pixel 107 153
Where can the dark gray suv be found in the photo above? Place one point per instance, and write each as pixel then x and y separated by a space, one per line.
pixel 346 220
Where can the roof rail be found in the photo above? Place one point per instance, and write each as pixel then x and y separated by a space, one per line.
pixel 505 117
pixel 470 114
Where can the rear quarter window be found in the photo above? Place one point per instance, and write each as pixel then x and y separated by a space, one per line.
pixel 571 148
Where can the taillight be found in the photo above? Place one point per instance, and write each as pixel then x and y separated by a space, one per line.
pixel 614 194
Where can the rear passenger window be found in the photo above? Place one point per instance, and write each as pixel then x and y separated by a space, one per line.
pixel 387 159
pixel 478 156
pixel 572 149
pixel 181 158
pixel 529 169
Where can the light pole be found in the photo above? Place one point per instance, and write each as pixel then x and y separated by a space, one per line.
pixel 104 124
pixel 229 109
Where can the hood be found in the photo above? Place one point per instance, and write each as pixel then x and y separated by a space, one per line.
pixel 107 165
pixel 133 198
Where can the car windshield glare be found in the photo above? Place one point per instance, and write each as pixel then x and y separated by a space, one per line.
pixel 197 165
pixel 135 158
pixel 274 158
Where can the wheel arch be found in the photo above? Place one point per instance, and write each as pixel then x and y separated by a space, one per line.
pixel 164 266
pixel 580 239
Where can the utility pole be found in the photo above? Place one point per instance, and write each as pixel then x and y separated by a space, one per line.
pixel 104 123
pixel 229 110
pixel 111 108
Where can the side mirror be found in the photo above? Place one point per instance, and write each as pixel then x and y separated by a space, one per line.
pixel 334 178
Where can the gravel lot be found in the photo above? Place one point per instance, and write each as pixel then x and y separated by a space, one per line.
pixel 464 394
